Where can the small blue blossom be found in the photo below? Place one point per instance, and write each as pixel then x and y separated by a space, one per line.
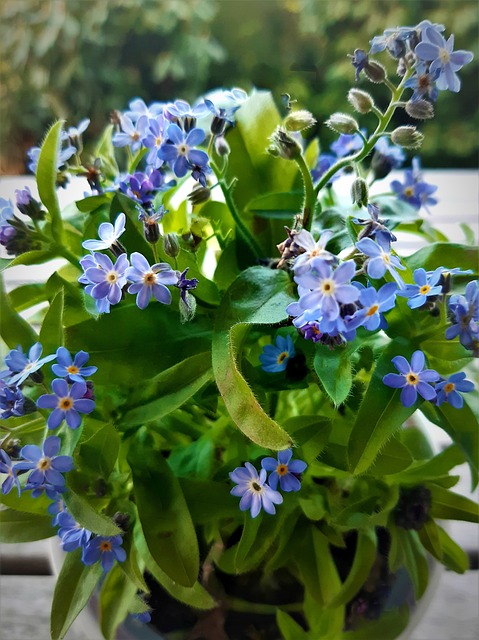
pixel 22 365
pixel 131 135
pixel 7 214
pixel 380 258
pixel 185 285
pixel 55 509
pixel 360 61
pixel 7 468
pixel 72 368
pixel 423 83
pixel 412 379
pixel 284 470
pixel 389 156
pixel 394 40
pixel 144 617
pixel 414 191
pixel 76 132
pixel 435 49
pixel 89 262
pixel 104 548
pixel 237 96
pixel 108 234
pixel 153 140
pixel 347 144
pixel 425 286
pixel 180 112
pixel 62 156
pixel 108 281
pixel 179 152
pixel 47 466
pixel 139 108
pixel 73 535
pixel 149 281
pixel 373 305
pixel 373 224
pixel 275 357
pixel 447 390
pixel 67 403
pixel 11 401
pixel 312 249
pixel 325 162
pixel 465 312
pixel 255 493
pixel 142 187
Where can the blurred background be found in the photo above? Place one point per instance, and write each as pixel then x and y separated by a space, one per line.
pixel 82 58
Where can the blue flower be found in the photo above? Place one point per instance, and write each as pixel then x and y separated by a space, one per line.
pixel 360 61
pixel 47 466
pixel 178 150
pixel 74 369
pixel 393 40
pixel 6 467
pixel 109 280
pixel 7 214
pixel 311 249
pixel 284 471
pixel 390 156
pixel 67 403
pixel 412 378
pixel 131 134
pixel 149 281
pixel 323 289
pixel 347 144
pixel 374 304
pixel 11 401
pixel 76 132
pixel 22 365
pixel 275 356
pixel 108 233
pixel 325 162
pixel 142 187
pixel 184 285
pixel 139 108
pixel 444 60
pixel 447 390
pixel 55 509
pixel 423 83
pixel 255 493
pixel 465 311
pixel 181 113
pixel 144 616
pixel 414 191
pixel 154 139
pixel 73 535
pixel 380 258
pixel 62 155
pixel 237 97
pixel 425 287
pixel 104 548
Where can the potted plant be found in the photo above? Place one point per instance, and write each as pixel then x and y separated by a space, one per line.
pixel 215 411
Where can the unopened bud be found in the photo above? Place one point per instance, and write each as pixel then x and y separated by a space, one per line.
pixel 171 244
pixel 284 145
pixel 28 205
pixel 299 120
pixel 407 137
pixel 342 123
pixel 360 192
pixel 375 72
pixel 199 195
pixel 361 101
pixel 420 109
pixel 221 146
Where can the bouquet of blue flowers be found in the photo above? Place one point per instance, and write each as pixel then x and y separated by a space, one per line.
pixel 215 412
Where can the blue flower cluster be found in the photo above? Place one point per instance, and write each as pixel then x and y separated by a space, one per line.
pixel 413 379
pixel 414 190
pixel 257 491
pixel 464 310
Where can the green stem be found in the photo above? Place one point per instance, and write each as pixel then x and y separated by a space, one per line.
pixel 236 604
pixel 155 252
pixel 309 193
pixel 63 252
pixel 384 121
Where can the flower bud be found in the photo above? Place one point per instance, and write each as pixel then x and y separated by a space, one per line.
pixel 221 146
pixel 375 72
pixel 28 205
pixel 199 195
pixel 420 109
pixel 407 137
pixel 284 145
pixel 361 101
pixel 342 123
pixel 299 120
pixel 171 244
pixel 360 192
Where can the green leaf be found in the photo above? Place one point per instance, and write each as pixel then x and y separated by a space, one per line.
pixel 282 206
pixel 91 203
pixel 73 589
pixel 100 451
pixel 88 517
pixel 194 460
pixel 394 457
pixel 13 328
pixel 16 526
pixel 454 558
pixel 195 596
pixel 24 502
pixel 434 255
pixel 333 368
pixel 27 296
pixel 51 333
pixel 117 592
pixel 381 412
pixel 133 566
pixel 364 558
pixel 165 519
pixel 310 433
pixel 317 567
pixel 462 426
pixel 289 628
pixel 208 500
pixel 429 536
pixel 436 467
pixel 47 177
pixel 38 256
pixel 448 505
pixel 168 390
pixel 258 296
pixel 251 528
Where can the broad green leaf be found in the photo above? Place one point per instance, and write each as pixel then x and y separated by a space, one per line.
pixel 454 558
pixel 47 177
pixel 13 328
pixel 333 368
pixel 117 592
pixel 289 628
pixel 27 296
pixel 133 566
pixel 462 426
pixel 73 589
pixel 168 390
pixel 429 536
pixel 434 255
pixel 436 467
pixel 194 460
pixel 311 433
pixel 445 356
pixel 282 206
pixel 366 550
pixel 51 332
pixel 16 526
pixel 251 527
pixel 37 256
pixel 100 451
pixel 208 500
pixel 91 203
pixel 258 296
pixel 388 627
pixel 317 567
pixel 448 505
pixel 86 515
pixel 106 152
pixel 195 596
pixel 24 502
pixel 165 519
pixel 393 457
pixel 381 412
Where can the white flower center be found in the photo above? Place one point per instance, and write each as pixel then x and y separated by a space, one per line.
pixel 182 149
pixel 44 464
pixel 149 278
pixel 112 277
pixel 327 287
pixel 255 487
pixel 444 56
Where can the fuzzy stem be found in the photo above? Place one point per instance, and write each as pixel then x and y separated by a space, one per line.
pixel 309 193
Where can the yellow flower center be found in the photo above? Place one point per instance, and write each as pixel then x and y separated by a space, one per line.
pixel 424 289
pixel 282 357
pixel 65 403
pixel 282 469
pixel 105 545
pixel 412 379
pixel 450 386
pixel 372 310
pixel 112 276
pixel 409 192
pixel 386 258
pixel 73 369
pixel 44 463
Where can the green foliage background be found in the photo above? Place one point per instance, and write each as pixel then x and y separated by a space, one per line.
pixel 79 58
